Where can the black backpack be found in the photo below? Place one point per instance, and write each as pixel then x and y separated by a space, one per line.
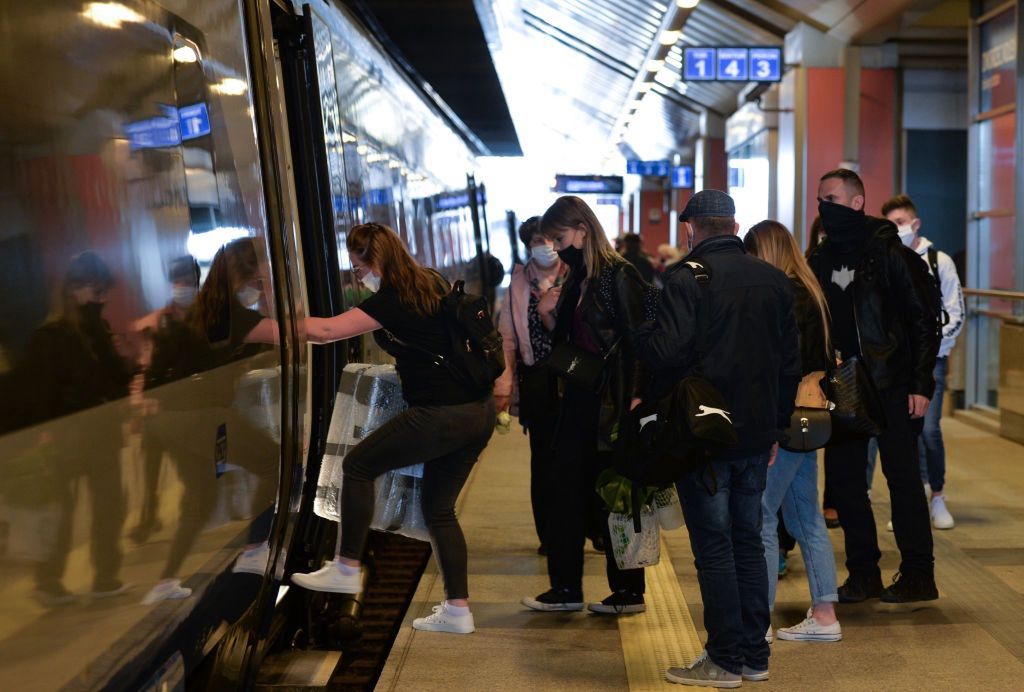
pixel 476 357
pixel 687 428
pixel 935 290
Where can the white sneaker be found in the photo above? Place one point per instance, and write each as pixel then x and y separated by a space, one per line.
pixel 810 631
pixel 888 526
pixel 769 636
pixel 330 578
pixel 169 589
pixel 443 620
pixel 941 518
pixel 253 561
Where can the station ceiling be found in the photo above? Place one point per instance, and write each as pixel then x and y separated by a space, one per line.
pixel 560 77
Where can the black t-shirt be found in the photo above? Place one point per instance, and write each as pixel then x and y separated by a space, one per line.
pixel 423 382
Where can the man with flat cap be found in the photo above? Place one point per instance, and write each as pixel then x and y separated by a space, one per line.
pixel 730 315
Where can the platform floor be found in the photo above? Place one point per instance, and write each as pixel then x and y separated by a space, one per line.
pixel 971 638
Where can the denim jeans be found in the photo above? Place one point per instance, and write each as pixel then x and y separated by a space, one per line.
pixel 793 486
pixel 725 534
pixel 931 450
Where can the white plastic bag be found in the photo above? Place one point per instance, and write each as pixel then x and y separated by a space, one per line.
pixel 634 550
pixel 670 511
pixel 398 507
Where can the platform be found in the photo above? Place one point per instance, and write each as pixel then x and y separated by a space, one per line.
pixel 971 638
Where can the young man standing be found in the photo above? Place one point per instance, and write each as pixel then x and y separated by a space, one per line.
pixel 880 313
pixel 902 212
pixel 734 324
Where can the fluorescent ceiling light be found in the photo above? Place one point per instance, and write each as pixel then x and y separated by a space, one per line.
pixel 229 87
pixel 111 14
pixel 185 54
pixel 670 37
pixel 687 4
pixel 644 87
pixel 654 65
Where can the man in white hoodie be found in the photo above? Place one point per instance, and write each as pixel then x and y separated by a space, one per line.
pixel 902 212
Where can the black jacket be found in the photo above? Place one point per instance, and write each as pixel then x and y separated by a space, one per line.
pixel 750 341
pixel 612 309
pixel 896 325
pixel 813 357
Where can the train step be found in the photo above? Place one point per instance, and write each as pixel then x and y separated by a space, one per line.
pixel 297 670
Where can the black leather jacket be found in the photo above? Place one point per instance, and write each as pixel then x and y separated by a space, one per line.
pixel 898 339
pixel 612 309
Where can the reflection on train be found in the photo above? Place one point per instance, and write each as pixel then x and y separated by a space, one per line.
pixel 158 252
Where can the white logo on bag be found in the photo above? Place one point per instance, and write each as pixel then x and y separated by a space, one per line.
pixel 648 419
pixel 708 411
pixel 573 364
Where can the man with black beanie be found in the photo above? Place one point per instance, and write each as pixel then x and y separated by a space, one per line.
pixel 881 313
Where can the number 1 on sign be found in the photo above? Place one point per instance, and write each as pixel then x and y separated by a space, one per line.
pixel 702 68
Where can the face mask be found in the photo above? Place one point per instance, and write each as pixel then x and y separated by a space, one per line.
pixel 371 281
pixel 91 310
pixel 182 296
pixel 248 296
pixel 573 256
pixel 544 255
pixel 840 222
pixel 907 234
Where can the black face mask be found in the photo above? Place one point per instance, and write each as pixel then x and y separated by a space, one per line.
pixel 91 311
pixel 842 224
pixel 572 256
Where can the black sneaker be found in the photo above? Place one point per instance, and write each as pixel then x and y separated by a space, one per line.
pixel 555 599
pixel 597 542
pixel 619 602
pixel 910 588
pixel 859 588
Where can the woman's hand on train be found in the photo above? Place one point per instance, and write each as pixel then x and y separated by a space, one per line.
pixel 502 402
pixel 324 330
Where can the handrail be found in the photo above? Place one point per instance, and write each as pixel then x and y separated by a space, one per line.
pixel 987 293
pixel 999 315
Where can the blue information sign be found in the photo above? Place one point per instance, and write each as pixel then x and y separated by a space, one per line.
pixel 660 169
pixel 682 177
pixel 732 64
pixel 765 64
pixel 698 64
pixel 194 120
pixel 152 133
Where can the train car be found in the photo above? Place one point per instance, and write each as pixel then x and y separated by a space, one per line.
pixel 177 179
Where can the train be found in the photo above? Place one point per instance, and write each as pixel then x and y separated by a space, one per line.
pixel 165 165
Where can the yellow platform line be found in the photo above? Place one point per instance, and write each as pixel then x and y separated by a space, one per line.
pixel 663 636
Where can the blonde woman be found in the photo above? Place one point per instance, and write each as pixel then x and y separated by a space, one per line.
pixel 595 315
pixel 793 479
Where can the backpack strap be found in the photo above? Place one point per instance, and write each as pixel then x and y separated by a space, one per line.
pixel 702 274
pixel 933 263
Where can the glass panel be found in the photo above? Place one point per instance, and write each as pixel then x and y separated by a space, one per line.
pixel 138 430
pixel 996 168
pixel 999 61
pixel 996 240
pixel 749 172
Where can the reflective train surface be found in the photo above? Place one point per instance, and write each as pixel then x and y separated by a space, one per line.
pixel 176 183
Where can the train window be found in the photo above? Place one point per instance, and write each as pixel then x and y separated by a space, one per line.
pixel 138 424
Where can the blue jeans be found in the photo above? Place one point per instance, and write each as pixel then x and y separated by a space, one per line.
pixel 793 486
pixel 931 449
pixel 725 534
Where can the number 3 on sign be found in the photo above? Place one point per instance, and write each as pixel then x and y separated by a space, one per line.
pixel 763 69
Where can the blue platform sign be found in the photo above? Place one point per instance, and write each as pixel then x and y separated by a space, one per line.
pixel 699 64
pixel 660 169
pixel 766 64
pixel 682 177
pixel 152 133
pixel 732 64
pixel 194 121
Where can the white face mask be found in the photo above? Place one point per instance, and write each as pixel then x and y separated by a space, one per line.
pixel 371 281
pixel 248 296
pixel 183 295
pixel 544 255
pixel 907 234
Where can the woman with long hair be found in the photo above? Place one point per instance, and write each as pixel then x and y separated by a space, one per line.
pixel 793 478
pixel 595 315
pixel 525 387
pixel 446 426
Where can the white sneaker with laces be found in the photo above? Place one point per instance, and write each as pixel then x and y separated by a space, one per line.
pixel 330 578
pixel 941 518
pixel 167 590
pixel 254 560
pixel 443 620
pixel 888 526
pixel 810 631
pixel 769 636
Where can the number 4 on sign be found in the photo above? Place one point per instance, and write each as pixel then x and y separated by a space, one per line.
pixel 732 68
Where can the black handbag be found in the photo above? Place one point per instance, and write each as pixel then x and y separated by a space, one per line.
pixel 858 409
pixel 810 426
pixel 579 366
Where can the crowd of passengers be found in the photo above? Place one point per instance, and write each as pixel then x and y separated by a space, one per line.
pixel 760 322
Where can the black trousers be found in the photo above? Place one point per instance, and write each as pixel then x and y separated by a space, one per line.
pixel 570 500
pixel 846 466
pixel 542 433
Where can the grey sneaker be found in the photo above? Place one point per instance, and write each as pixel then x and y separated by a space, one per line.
pixel 704 673
pixel 754 675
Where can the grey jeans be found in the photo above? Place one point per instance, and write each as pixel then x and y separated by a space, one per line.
pixel 447 440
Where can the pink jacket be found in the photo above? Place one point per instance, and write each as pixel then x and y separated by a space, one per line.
pixel 513 320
